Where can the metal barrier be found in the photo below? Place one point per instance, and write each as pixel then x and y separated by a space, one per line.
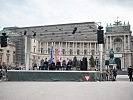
pixel 39 75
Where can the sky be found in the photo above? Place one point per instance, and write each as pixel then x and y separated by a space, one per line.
pixel 24 13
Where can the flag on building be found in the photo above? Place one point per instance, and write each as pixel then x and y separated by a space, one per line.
pixel 57 55
pixel 51 55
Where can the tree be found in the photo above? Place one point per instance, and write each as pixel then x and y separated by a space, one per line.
pixel 92 61
pixel 75 62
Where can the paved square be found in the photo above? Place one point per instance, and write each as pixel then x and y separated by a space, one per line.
pixel 118 90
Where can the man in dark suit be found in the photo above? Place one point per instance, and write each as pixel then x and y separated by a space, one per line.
pixel 58 65
pixel 45 64
pixel 130 71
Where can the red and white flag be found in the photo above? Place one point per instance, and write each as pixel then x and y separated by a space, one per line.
pixel 57 55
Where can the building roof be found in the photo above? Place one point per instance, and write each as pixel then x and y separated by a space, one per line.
pixel 86 31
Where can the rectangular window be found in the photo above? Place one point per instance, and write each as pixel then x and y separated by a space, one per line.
pixel 41 50
pixel 8 51
pixel 93 52
pixel 85 45
pixel 71 44
pixel 34 50
pixel 1 50
pixel 78 45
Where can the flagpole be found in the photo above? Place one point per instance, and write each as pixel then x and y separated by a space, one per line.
pixel 51 55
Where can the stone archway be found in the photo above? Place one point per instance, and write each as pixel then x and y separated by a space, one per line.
pixel 118 63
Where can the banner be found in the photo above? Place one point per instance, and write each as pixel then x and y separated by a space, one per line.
pixel 51 55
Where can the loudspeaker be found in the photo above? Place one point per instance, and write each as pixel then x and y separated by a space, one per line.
pixel 84 64
pixel 106 62
pixel 81 65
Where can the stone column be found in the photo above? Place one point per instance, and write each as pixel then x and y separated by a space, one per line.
pixel 61 48
pixel 76 48
pixel 66 49
pixel 107 44
pixel 80 49
pixel 90 48
pixel 27 52
pixel 124 43
pixel 47 47
pixel 128 42
pixel 110 42
pixel 83 48
pixel 73 49
pixel 54 45
pixel 40 46
pixel 95 48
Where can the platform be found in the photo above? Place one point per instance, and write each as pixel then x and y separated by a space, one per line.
pixel 47 75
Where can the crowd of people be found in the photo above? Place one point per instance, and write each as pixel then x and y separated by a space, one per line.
pixel 111 73
pixel 47 65
pixel 3 71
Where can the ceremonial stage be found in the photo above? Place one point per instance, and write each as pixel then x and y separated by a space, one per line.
pixel 50 75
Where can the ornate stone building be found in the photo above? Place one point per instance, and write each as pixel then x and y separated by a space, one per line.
pixel 8 54
pixel 118 37
pixel 81 44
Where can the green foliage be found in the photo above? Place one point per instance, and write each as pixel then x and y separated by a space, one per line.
pixel 75 62
pixel 92 61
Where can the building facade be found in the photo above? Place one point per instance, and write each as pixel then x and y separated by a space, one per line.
pixel 81 44
pixel 8 54
pixel 118 37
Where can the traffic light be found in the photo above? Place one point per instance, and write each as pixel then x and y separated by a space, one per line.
pixel 100 36
pixel 3 40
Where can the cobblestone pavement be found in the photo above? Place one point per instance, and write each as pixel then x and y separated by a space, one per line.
pixel 116 90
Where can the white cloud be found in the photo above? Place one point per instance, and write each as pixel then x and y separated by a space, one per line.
pixel 46 12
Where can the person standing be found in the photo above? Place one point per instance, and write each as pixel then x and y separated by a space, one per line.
pixel 69 65
pixel 52 65
pixel 130 71
pixel 35 66
pixel 0 70
pixel 45 64
pixel 63 65
pixel 41 67
pixel 58 65
pixel 114 74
